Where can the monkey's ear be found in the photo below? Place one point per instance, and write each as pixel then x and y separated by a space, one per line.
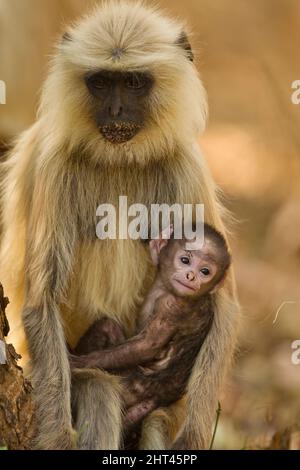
pixel 184 42
pixel 156 245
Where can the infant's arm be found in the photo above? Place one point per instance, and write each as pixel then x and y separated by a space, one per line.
pixel 139 349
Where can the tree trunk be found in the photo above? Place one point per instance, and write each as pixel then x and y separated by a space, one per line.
pixel 16 409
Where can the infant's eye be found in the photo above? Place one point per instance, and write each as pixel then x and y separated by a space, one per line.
pixel 184 259
pixel 205 271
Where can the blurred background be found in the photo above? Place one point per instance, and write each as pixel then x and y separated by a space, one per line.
pixel 248 56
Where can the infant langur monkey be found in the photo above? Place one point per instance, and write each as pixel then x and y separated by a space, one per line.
pixel 175 317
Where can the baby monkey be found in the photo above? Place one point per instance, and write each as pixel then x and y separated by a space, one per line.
pixel 174 321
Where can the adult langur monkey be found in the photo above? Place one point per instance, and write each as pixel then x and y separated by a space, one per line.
pixel 120 114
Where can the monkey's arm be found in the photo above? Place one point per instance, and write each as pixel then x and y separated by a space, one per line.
pixel 49 255
pixel 139 349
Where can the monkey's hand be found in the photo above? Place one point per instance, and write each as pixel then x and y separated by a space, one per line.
pixel 138 350
pixel 135 351
pixel 103 359
pixel 86 361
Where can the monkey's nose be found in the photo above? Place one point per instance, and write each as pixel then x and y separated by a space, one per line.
pixel 190 276
pixel 115 111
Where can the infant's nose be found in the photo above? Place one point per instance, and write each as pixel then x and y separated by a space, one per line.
pixel 190 276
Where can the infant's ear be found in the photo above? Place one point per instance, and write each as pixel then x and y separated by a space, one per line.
pixel 155 248
pixel 157 244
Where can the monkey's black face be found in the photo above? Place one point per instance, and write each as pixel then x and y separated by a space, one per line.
pixel 119 102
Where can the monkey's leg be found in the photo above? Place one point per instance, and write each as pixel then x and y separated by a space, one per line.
pixel 161 426
pixel 50 377
pixel 137 413
pixel 133 421
pixel 97 410
pixel 49 259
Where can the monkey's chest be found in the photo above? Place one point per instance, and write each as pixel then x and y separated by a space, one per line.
pixel 110 278
pixel 122 191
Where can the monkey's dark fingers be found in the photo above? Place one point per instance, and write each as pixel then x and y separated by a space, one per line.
pixel 137 413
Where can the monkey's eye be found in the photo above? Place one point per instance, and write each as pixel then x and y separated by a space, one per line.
pixel 100 83
pixel 135 81
pixel 205 271
pixel 185 260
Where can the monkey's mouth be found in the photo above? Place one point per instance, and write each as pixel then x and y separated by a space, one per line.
pixel 183 286
pixel 119 132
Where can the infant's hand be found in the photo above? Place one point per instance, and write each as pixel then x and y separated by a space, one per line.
pixel 77 362
pixel 88 361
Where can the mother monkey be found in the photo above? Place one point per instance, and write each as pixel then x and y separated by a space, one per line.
pixel 120 114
